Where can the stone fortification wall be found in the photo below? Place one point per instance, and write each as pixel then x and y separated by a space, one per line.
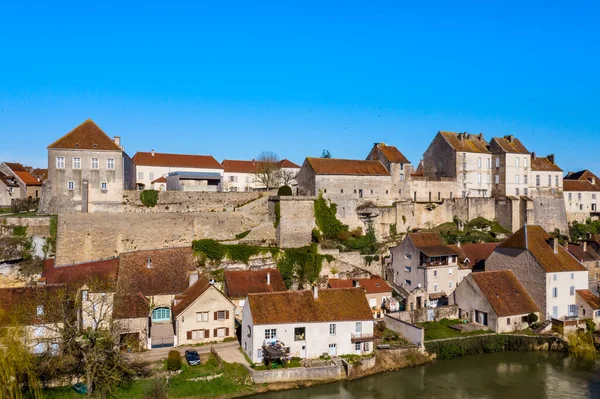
pixel 85 237
pixel 550 213
pixel 296 220
pixel 189 201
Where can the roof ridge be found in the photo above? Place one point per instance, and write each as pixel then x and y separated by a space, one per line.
pixel 78 126
pixel 173 153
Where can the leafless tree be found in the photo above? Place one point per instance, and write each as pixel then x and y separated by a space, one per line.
pixel 267 170
pixel 288 177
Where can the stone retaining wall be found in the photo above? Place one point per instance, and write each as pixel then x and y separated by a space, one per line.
pixel 298 374
pixel 412 333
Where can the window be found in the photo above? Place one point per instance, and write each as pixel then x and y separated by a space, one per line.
pixel 555 277
pixel 572 276
pixel 555 292
pixel 71 185
pixel 407 282
pixel 508 321
pixel 358 327
pixel 450 284
pixel 408 256
pixel 478 163
pixel 332 329
pixel 435 273
pixel 554 311
pixel 572 290
pixel 140 175
pixel 221 332
pixel 478 178
pixel 151 176
pixel 103 186
pixel 110 164
pixel 76 163
pixel 95 163
pixel 198 334
pixel 40 310
pixel 408 269
pixel 572 310
pixel 38 348
pixel 357 346
pixel 161 314
pixel 221 315
pixel 259 353
pixel 373 302
pixel 517 178
pixel 497 179
pixel 537 180
pixel 593 196
pixel 300 334
pixel 525 191
pixel 201 317
pixel 489 163
pixel 435 288
pixel 401 177
pixel 271 333
pixel 517 162
pixel 60 162
pixel 524 179
pixel 84 295
pixel 342 191
pixel 556 180
pixel 517 191
pixel 497 162
pixel 332 349
pixel 524 162
pixel 54 348
pixel 549 181
pixel 487 179
pixel 570 196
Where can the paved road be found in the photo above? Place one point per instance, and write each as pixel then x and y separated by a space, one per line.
pixel 227 350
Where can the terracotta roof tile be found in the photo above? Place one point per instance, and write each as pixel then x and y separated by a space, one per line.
pixel 176 160
pixel 287 164
pixel 392 153
pixel 579 185
pixel 505 293
pixel 334 304
pixel 27 178
pixel 87 136
pixel 40 174
pixel 543 164
pixel 9 181
pixel 103 272
pixel 130 306
pixel 534 239
pixel 335 166
pixel 20 303
pixel 589 297
pixel 161 179
pixel 589 255
pixel 465 142
pixel 373 285
pixel 431 244
pixel 477 252
pixel 240 283
pixel 582 175
pixel 511 145
pixel 190 294
pixel 14 166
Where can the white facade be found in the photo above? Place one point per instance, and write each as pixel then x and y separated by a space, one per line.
pixel 581 203
pixel 561 296
pixel 474 174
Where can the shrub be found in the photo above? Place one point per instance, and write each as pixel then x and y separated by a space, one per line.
pixel 215 251
pixel 149 198
pixel 326 219
pixel 158 389
pixel 591 326
pixel 174 360
pixel 394 229
pixel 532 318
pixel 303 264
pixel 285 191
pixel 316 235
pixel 357 232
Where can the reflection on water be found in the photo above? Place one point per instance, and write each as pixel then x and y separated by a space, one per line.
pixel 513 375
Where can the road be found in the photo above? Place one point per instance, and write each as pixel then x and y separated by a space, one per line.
pixel 229 352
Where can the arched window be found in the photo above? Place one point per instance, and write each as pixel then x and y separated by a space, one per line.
pixel 161 314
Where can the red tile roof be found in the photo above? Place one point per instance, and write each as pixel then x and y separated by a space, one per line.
pixel 580 186
pixel 373 285
pixel 589 255
pixel 102 272
pixel 392 153
pixel 15 166
pixel 511 145
pixel 465 142
pixel 544 165
pixel 287 164
pixel 582 175
pixel 477 252
pixel 241 166
pixel 505 293
pixel 9 181
pixel 334 166
pixel 40 174
pixel 161 179
pixel 27 178
pixel 176 160
pixel 589 298
pixel 240 283
pixel 87 136
pixel 190 295
pixel 537 242
pixel 431 244
pixel 20 303
pixel 130 306
pixel 334 304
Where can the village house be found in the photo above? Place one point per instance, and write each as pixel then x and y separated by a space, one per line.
pixel 181 172
pixel 397 164
pixel 87 172
pixel 9 190
pixel 494 299
pixel 473 256
pixel 242 175
pixel 549 273
pixel 375 288
pixel 426 268
pixel 546 177
pixel 202 314
pixel 589 306
pixel 581 193
pixel 307 324
pixel 240 283
pixel 511 167
pixel 30 186
pixel 586 252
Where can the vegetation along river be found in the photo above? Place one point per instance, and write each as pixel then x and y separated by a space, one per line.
pixel 512 375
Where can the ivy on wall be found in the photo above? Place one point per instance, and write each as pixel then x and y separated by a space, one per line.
pixel 216 252
pixel 302 265
pixel 326 219
pixel 277 214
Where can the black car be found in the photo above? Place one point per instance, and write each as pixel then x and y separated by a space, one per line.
pixel 192 357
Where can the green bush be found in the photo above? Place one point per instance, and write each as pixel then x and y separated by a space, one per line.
pixel 149 198
pixel 19 231
pixel 174 360
pixel 532 318
pixel 393 230
pixel 301 264
pixel 215 251
pixel 591 326
pixel 285 191
pixel 326 219
pixel 316 235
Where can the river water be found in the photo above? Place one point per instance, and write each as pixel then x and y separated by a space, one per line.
pixel 508 375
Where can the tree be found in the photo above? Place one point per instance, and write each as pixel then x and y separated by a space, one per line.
pixel 288 177
pixel 267 170
pixel 325 154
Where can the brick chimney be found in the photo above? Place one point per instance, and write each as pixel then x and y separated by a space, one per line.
pixel 532 156
pixel 510 138
pixel 551 158
pixel 193 277
pixel 584 246
pixel 315 291
pixel 152 152
pixel 118 141
pixel 554 243
pixel 480 136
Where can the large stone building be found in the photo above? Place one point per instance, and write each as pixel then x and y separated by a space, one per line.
pixel 87 172
pixel 546 177
pixel 581 194
pixel 397 164
pixel 511 171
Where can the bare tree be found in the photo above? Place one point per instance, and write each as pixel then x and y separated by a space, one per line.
pixel 267 170
pixel 288 177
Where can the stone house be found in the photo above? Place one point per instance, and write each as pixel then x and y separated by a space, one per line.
pixel 30 186
pixel 397 164
pixel 549 273
pixel 308 324
pixel 375 288
pixel 586 252
pixel 151 166
pixel 240 283
pixel 426 268
pixel 581 193
pixel 494 299
pixel 202 314
pixel 87 172
pixel 546 177
pixel 463 158
pixel 9 190
pixel 511 167
pixel 589 306
pixel 241 175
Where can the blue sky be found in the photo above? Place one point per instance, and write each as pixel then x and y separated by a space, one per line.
pixel 234 78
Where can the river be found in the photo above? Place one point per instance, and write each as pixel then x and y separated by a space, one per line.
pixel 508 375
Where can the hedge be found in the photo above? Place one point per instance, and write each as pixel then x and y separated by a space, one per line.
pixel 285 191
pixel 174 360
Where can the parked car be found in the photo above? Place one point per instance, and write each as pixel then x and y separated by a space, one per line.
pixel 192 357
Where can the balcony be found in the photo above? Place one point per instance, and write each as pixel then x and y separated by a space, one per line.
pixel 362 337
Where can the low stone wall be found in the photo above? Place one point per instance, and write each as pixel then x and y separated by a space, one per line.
pixel 36 226
pixel 298 374
pixel 427 314
pixel 412 333
pixel 360 369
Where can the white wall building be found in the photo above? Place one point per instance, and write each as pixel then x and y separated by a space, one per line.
pixel 240 175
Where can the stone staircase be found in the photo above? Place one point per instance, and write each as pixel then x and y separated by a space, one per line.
pixel 544 327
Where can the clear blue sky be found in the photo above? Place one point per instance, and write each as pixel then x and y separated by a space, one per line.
pixel 231 79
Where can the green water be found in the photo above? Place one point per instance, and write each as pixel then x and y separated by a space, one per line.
pixel 510 375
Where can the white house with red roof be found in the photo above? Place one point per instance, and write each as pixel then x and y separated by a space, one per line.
pixel 241 175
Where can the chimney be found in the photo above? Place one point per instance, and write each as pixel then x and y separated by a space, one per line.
pixel 510 138
pixel 532 156
pixel 118 141
pixel 461 137
pixel 355 283
pixel 480 136
pixel 148 262
pixel 152 152
pixel 551 158
pixel 268 278
pixel 315 292
pixel 193 278
pixel 584 246
pixel 458 243
pixel 554 242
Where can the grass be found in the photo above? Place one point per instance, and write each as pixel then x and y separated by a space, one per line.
pixel 441 329
pixel 22 215
pixel 234 381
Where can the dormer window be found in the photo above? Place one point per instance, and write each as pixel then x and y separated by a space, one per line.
pixel 148 263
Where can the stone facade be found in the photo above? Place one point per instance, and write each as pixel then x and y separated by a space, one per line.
pixel 179 201
pixel 296 220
